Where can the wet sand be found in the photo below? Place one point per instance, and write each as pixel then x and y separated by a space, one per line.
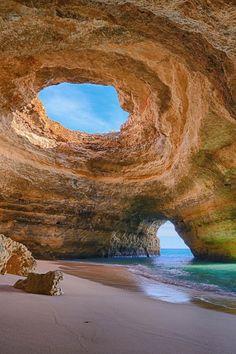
pixel 120 277
pixel 100 319
pixel 115 276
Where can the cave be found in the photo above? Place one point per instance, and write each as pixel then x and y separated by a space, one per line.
pixel 66 193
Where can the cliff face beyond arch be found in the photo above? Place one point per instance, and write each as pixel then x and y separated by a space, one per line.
pixel 65 193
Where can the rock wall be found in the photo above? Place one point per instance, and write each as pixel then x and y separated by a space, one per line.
pixel 143 240
pixel 65 193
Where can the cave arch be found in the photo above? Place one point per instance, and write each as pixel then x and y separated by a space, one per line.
pixel 169 238
pixel 66 193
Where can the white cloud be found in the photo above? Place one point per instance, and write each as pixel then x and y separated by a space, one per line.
pixel 169 237
pixel 76 110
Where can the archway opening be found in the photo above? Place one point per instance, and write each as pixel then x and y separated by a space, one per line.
pixel 88 108
pixel 170 239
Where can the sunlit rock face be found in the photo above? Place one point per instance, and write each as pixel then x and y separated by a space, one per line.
pixel 65 193
pixel 15 258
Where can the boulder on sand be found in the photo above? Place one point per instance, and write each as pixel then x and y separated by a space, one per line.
pixel 46 284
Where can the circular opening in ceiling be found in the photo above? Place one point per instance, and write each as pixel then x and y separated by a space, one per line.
pixel 89 108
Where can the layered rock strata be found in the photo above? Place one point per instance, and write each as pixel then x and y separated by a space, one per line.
pixel 44 284
pixel 15 258
pixel 143 241
pixel 65 193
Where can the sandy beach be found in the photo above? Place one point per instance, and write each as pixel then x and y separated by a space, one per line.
pixel 95 318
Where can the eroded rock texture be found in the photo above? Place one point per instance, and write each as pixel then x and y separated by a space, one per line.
pixel 15 258
pixel 45 284
pixel 172 62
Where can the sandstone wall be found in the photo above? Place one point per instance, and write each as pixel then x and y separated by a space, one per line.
pixel 65 193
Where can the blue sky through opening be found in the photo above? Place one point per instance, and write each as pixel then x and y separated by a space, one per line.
pixel 85 107
pixel 169 238
pixel 95 109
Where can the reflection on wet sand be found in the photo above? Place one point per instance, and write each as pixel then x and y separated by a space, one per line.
pixel 116 276
pixel 120 277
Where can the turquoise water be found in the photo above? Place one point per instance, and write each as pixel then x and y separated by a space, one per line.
pixel 178 267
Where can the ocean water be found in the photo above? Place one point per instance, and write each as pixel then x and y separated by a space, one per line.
pixel 169 275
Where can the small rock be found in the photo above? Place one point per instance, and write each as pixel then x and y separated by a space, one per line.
pixel 46 284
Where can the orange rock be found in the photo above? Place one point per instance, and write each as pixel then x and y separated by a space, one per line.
pixel 45 284
pixel 66 193
pixel 15 258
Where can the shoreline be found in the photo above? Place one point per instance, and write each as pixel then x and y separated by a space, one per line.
pixel 92 318
pixel 120 276
pixel 110 275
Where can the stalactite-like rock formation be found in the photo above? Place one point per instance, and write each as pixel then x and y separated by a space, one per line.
pixel 172 62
